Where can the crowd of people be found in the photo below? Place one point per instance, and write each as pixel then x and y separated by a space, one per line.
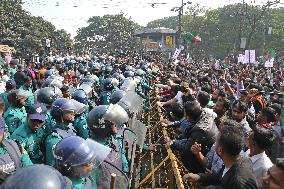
pixel 63 119
pixel 228 122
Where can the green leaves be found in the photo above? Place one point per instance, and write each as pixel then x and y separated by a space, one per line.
pixel 109 33
pixel 222 28
pixel 27 33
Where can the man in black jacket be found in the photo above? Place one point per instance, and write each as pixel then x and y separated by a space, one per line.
pixel 237 173
pixel 203 131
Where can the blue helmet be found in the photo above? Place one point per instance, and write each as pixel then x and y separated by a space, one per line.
pixel 42 176
pixel 108 84
pixel 116 96
pixel 61 105
pixel 71 154
pixel 48 95
pixel 80 96
pixel 47 73
pixel 56 108
pixel 128 74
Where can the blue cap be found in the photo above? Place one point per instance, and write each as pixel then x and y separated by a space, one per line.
pixel 14 62
pixel 2 125
pixel 37 111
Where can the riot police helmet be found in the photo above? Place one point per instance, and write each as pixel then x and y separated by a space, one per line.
pixel 116 96
pixel 48 95
pixel 35 177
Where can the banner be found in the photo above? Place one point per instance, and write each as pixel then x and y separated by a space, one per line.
pixel 269 63
pixel 243 43
pixel 249 57
pixel 176 54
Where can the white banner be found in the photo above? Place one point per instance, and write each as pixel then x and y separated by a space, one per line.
pixel 249 57
pixel 269 63
pixel 241 58
pixel 176 54
pixel 243 43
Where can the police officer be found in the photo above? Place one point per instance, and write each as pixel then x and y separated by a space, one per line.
pixel 37 177
pixel 63 111
pixel 11 157
pixel 80 123
pixel 108 89
pixel 16 114
pixel 31 134
pixel 13 68
pixel 47 96
pixel 74 158
pixel 10 85
pixel 28 87
pixel 103 122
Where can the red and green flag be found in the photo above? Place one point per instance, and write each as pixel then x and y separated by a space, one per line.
pixel 191 38
pixel 269 54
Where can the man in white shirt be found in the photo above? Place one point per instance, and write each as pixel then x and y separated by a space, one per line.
pixel 259 140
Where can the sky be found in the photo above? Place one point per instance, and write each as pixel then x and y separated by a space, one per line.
pixel 73 14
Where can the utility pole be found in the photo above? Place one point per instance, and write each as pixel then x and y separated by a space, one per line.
pixel 180 14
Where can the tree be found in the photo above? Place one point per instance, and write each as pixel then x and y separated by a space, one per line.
pixel 109 33
pixel 27 33
pixel 222 28
pixel 254 15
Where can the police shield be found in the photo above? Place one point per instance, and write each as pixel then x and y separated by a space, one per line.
pixel 128 85
pixel 116 114
pixel 88 150
pixel 139 129
pixel 129 146
pixel 87 87
pixel 133 101
pixel 108 176
pixel 101 151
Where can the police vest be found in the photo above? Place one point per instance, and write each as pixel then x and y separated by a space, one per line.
pixel 88 184
pixel 11 160
pixel 70 131
pixel 114 156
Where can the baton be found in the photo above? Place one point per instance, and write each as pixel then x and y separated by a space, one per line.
pixel 112 180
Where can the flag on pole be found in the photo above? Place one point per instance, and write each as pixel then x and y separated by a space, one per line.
pixel 191 38
pixel 269 57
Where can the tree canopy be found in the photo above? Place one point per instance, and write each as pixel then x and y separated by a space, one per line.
pixel 109 33
pixel 222 28
pixel 27 33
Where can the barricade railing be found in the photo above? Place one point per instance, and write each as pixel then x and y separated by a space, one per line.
pixel 160 168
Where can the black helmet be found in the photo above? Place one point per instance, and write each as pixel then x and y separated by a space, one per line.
pixel 116 96
pixel 35 177
pixel 48 95
pixel 102 117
